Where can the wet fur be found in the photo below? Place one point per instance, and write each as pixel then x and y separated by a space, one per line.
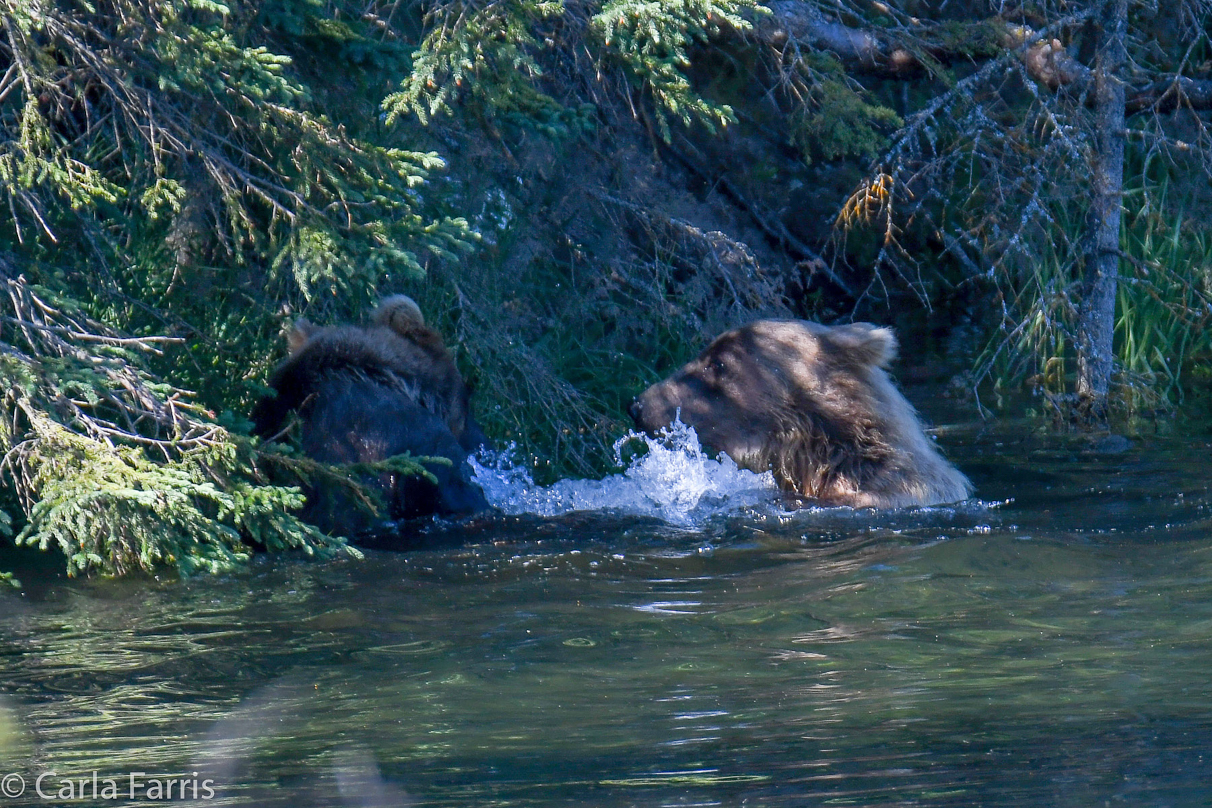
pixel 416 363
pixel 814 405
pixel 366 394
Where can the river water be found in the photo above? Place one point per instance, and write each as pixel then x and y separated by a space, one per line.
pixel 686 643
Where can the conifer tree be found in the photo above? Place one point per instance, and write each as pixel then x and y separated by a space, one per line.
pixel 168 171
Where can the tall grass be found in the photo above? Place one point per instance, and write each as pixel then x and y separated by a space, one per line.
pixel 1164 306
pixel 1162 343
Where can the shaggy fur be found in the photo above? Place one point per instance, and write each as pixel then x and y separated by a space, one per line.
pixel 813 404
pixel 367 394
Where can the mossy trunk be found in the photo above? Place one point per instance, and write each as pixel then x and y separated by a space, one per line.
pixel 1096 309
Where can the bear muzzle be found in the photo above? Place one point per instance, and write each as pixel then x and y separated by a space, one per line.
pixel 636 411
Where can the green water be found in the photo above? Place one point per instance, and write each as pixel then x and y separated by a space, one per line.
pixel 1051 645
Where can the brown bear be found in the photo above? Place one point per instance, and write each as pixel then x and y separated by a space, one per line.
pixel 363 395
pixel 812 404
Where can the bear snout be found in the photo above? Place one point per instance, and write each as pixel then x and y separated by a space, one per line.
pixel 636 410
pixel 656 408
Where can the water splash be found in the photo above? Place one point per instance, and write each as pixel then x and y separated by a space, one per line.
pixel 673 480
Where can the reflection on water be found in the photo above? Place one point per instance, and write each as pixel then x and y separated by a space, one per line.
pixel 1049 645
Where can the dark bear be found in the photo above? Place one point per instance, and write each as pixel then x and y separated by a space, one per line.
pixel 812 404
pixel 363 395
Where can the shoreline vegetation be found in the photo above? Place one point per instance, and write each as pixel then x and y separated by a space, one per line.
pixel 579 195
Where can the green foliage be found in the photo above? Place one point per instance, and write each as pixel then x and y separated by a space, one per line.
pixel 211 131
pixel 117 510
pixel 483 56
pixel 973 39
pixel 488 58
pixel 652 40
pixel 116 469
pixel 1010 170
pixel 837 117
pixel 347 494
pixel 1163 328
pixel 1163 323
pixel 30 161
pixel 170 171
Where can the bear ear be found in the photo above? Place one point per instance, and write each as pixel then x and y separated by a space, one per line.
pixel 298 336
pixel 865 343
pixel 399 313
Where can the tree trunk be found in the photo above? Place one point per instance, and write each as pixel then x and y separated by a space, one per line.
pixel 1096 308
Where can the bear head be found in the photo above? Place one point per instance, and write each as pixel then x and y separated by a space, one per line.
pixel 812 404
pixel 396 348
pixel 363 395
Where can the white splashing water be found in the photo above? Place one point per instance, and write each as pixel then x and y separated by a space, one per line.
pixel 674 481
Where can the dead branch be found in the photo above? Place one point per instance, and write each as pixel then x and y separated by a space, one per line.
pixel 689 156
pixel 1041 53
